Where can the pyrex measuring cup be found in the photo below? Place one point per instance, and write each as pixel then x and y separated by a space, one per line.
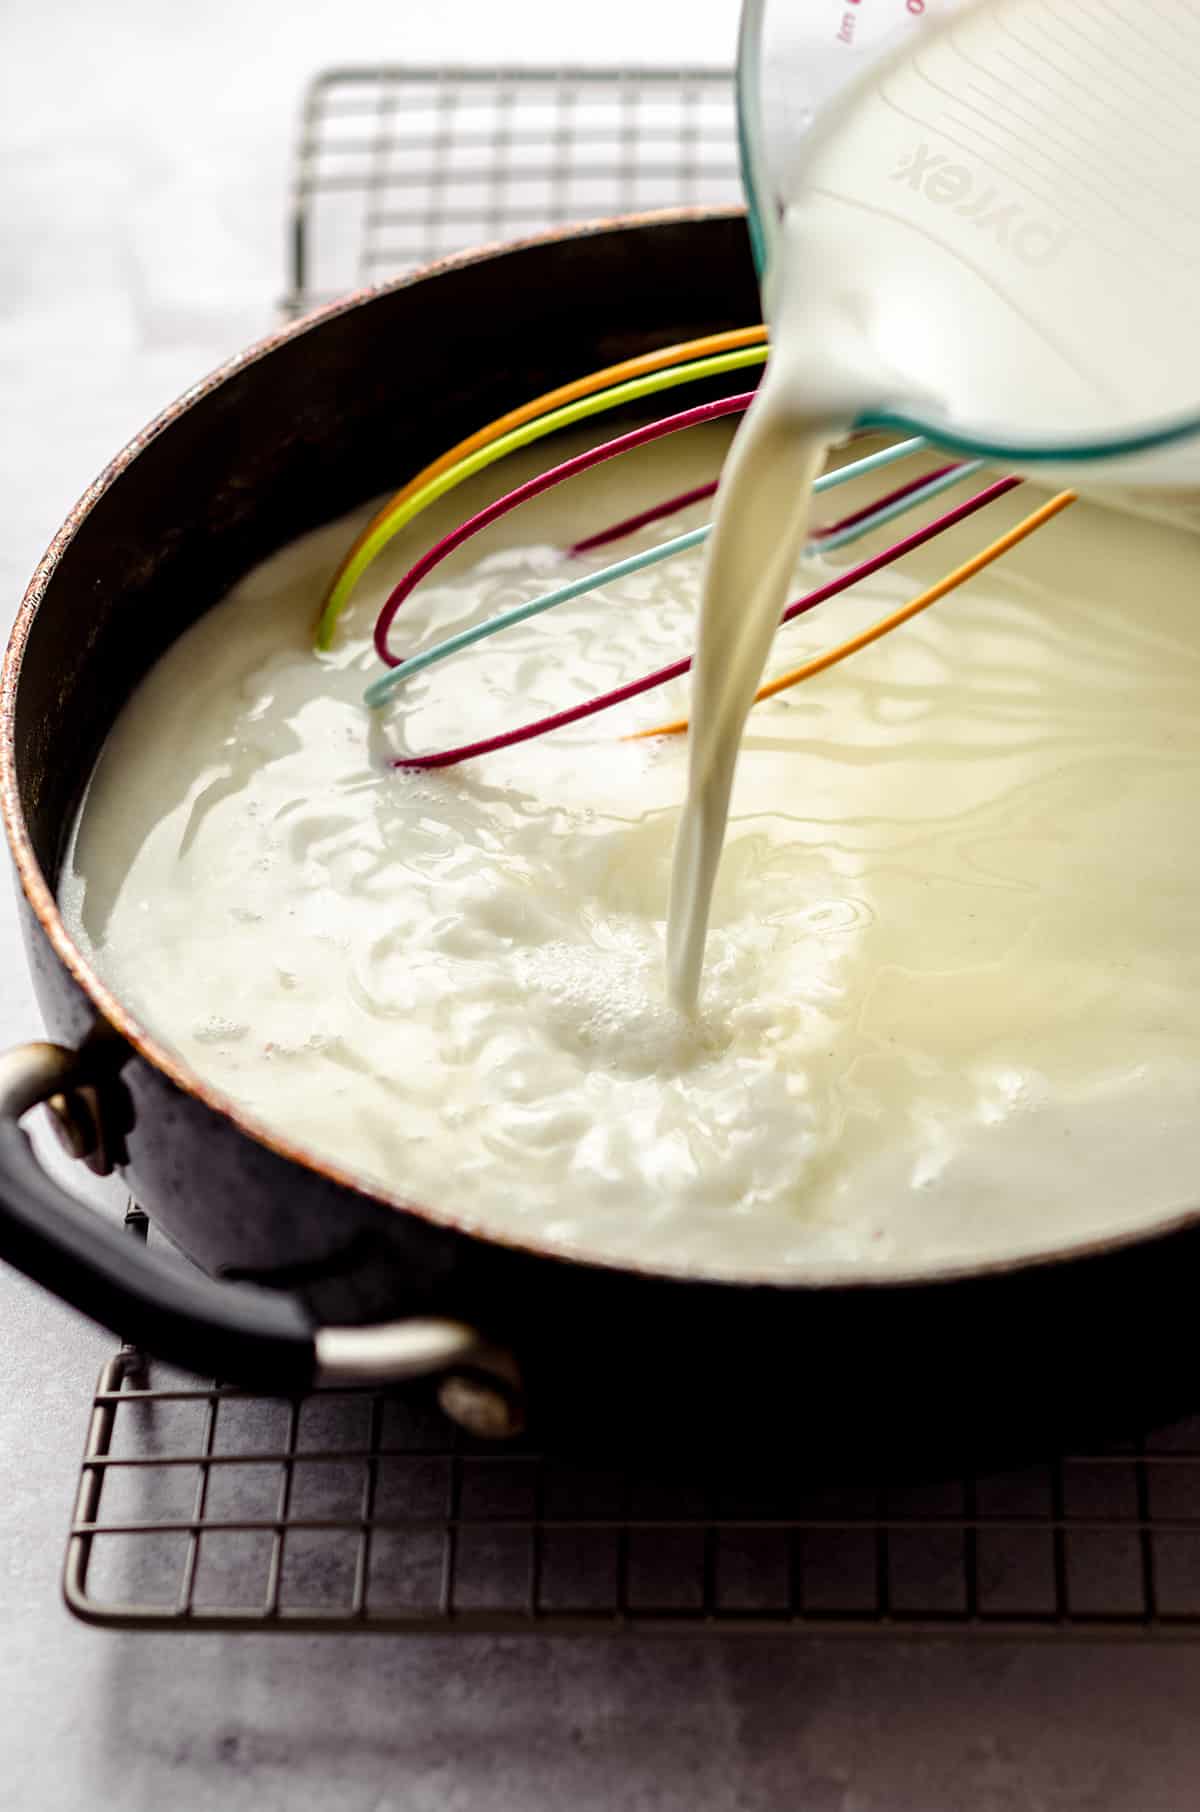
pixel 1006 191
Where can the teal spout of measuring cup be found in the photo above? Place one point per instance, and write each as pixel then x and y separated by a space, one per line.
pixel 1001 197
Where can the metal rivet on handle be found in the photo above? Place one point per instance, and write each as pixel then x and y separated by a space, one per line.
pixel 481 1406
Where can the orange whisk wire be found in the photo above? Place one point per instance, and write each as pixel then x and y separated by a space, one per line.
pixel 822 662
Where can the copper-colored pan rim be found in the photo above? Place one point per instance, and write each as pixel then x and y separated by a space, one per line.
pixel 45 907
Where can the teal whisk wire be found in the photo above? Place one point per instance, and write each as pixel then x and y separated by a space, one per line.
pixel 381 689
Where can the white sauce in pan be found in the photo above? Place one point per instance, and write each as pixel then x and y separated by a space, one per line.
pixel 951 1002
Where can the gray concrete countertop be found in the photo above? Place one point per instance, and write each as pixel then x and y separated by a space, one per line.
pixel 144 154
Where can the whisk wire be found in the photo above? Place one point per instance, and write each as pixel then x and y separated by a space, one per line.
pixel 844 581
pixel 629 382
pixel 952 580
pixel 378 692
pixel 524 493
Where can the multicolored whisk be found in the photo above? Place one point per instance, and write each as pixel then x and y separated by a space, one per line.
pixel 614 387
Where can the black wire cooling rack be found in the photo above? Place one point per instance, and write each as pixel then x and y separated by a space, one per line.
pixel 201 1507
pixel 206 1508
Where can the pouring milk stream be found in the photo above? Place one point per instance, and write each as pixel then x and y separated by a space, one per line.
pixel 975 221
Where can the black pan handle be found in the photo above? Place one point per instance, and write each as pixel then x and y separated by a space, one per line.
pixel 260 1339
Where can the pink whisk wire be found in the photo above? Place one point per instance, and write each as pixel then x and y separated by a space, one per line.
pixel 672 505
pixel 534 487
pixel 644 518
pixel 542 726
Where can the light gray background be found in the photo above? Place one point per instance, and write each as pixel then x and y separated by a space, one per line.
pixel 143 155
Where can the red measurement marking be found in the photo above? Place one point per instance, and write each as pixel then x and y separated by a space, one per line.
pixel 845 31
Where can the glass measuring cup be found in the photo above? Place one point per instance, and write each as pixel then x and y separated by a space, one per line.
pixel 1007 193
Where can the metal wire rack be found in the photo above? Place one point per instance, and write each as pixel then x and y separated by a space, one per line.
pixel 399 166
pixel 201 1507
